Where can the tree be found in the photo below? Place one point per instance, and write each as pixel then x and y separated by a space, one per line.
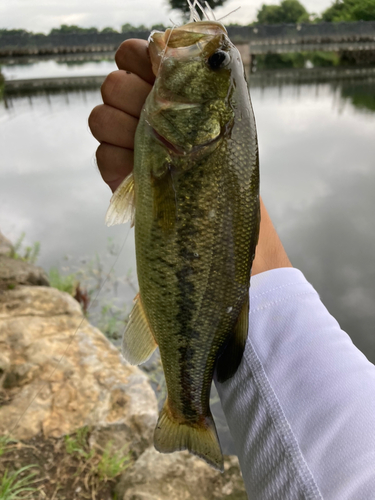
pixel 158 27
pixel 184 6
pixel 129 27
pixel 65 29
pixel 350 10
pixel 289 11
pixel 363 10
pixel 108 30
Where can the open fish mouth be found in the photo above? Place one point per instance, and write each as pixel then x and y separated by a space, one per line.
pixel 188 41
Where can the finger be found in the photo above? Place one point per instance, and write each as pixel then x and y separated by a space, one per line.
pixel 132 55
pixel 108 124
pixel 125 91
pixel 114 164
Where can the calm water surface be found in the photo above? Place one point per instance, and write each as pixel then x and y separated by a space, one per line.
pixel 317 156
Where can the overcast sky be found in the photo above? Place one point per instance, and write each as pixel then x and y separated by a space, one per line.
pixel 42 15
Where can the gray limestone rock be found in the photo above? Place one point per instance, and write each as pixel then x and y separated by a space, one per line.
pixel 180 476
pixel 59 373
pixel 5 245
pixel 14 272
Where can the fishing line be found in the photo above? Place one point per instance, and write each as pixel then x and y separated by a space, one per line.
pixel 231 12
pixel 71 337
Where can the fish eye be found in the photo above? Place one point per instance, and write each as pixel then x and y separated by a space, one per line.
pixel 218 59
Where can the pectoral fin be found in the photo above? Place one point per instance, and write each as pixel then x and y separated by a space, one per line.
pixel 229 361
pixel 122 204
pixel 138 342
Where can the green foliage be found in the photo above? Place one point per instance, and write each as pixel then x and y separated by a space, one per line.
pixel 278 61
pixel 112 319
pixel 64 283
pixel 77 444
pixel 14 484
pixel 108 30
pixel 4 442
pixel 13 32
pixel 183 6
pixel 297 60
pixel 158 27
pixel 72 29
pixel 289 11
pixel 323 59
pixel 350 10
pixel 125 28
pixel 103 465
pixel 111 464
pixel 29 253
pixel 96 289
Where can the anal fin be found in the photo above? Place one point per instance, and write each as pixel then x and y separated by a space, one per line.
pixel 229 361
pixel 138 342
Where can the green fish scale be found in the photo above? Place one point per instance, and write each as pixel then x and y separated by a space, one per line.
pixel 186 277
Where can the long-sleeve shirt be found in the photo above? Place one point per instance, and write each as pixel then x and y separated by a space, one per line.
pixel 301 407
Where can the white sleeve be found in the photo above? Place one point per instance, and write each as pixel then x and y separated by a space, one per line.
pixel 301 407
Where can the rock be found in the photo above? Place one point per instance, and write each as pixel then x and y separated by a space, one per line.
pixel 59 373
pixel 180 476
pixel 5 245
pixel 15 272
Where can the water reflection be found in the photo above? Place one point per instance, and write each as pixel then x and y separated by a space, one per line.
pixel 52 68
pixel 361 95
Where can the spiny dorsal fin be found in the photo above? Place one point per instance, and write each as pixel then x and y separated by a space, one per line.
pixel 230 359
pixel 122 205
pixel 138 342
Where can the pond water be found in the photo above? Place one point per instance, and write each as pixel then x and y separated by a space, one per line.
pixel 64 66
pixel 317 160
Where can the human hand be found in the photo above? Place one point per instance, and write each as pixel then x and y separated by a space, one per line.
pixel 114 123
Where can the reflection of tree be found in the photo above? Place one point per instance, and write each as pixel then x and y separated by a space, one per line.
pixel 2 83
pixel 361 95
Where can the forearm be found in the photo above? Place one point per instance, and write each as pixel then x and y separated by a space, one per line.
pixel 270 253
pixel 301 407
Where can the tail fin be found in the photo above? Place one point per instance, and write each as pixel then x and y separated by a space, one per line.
pixel 171 435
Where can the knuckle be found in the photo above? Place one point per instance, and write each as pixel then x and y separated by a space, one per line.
pixel 95 119
pixel 123 51
pixel 110 84
pixel 101 155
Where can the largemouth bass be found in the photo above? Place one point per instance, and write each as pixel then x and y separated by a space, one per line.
pixel 194 199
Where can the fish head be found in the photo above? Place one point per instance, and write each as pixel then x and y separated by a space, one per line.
pixel 191 105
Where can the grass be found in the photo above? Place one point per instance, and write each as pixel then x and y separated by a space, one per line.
pixel 95 464
pixel 4 441
pixel 27 253
pixel 111 465
pixel 64 468
pixel 97 289
pixel 14 484
pixel 64 283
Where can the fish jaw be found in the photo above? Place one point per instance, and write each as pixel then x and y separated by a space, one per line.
pixel 188 41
